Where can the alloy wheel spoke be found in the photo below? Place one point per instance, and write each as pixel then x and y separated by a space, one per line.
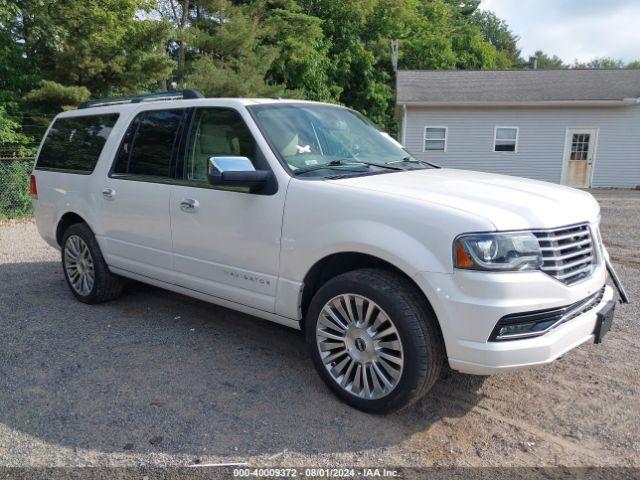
pixel 330 336
pixel 370 314
pixel 339 367
pixel 347 374
pixel 365 380
pixel 333 356
pixel 377 386
pixel 348 302
pixel 381 375
pixel 361 306
pixel 327 345
pixel 340 309
pixel 331 316
pixel 386 332
pixel 390 369
pixel 390 344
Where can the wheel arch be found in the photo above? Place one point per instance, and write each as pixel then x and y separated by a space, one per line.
pixel 66 220
pixel 335 264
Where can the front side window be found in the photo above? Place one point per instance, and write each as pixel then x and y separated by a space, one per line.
pixel 149 144
pixel 74 144
pixel 435 139
pixel 324 139
pixel 216 132
pixel 506 139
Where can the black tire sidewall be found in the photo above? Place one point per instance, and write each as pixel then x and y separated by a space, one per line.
pixel 396 308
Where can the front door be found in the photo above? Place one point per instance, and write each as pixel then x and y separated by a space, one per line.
pixel 226 242
pixel 579 153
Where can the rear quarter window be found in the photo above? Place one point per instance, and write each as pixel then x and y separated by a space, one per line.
pixel 74 144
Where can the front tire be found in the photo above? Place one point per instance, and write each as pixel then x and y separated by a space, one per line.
pixel 85 270
pixel 374 340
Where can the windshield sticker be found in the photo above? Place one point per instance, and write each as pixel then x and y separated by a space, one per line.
pixel 311 162
pixel 305 149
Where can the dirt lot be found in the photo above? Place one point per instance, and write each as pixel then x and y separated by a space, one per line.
pixel 156 378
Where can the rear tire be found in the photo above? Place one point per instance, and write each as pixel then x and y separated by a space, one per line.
pixel 85 270
pixel 397 349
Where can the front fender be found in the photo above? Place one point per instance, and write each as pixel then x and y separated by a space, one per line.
pixel 379 240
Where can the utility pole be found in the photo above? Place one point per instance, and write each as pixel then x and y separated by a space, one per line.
pixel 533 60
pixel 394 54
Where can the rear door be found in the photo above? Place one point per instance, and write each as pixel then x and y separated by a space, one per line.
pixel 227 243
pixel 136 195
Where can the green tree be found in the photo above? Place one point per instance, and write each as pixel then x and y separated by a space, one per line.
pixel 12 140
pixel 301 63
pixel 601 63
pixel 230 56
pixel 497 33
pixel 102 45
pixel 53 97
pixel 18 73
pixel 547 62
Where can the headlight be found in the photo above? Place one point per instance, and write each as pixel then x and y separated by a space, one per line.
pixel 497 251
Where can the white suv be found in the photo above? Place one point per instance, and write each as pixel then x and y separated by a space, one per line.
pixel 305 214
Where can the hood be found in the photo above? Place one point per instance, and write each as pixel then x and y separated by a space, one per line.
pixel 510 203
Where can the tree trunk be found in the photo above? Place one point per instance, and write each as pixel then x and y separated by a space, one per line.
pixel 183 44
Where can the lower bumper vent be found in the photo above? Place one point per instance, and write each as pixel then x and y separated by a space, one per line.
pixel 517 326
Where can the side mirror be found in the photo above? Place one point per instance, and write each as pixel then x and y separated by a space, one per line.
pixel 236 172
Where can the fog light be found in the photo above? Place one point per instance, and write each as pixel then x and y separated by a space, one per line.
pixel 517 330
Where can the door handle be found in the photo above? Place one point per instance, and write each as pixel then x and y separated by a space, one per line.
pixel 189 205
pixel 109 193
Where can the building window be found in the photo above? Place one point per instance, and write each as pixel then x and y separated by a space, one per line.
pixel 435 139
pixel 505 139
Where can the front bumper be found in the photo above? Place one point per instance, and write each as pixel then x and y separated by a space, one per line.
pixel 469 304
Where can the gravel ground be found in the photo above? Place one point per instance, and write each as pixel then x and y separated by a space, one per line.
pixel 156 378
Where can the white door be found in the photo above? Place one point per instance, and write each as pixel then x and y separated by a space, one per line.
pixel 137 195
pixel 578 157
pixel 228 243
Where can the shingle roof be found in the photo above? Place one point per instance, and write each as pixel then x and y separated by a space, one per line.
pixel 515 86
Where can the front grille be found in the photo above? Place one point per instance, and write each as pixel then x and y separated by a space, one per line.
pixel 568 252
pixel 534 324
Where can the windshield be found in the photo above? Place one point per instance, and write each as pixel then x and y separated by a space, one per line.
pixel 319 139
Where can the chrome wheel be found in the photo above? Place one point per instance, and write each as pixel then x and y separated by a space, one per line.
pixel 78 264
pixel 359 346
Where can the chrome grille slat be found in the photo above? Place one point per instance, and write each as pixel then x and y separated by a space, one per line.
pixel 568 252
pixel 566 266
pixel 559 238
pixel 567 256
pixel 573 273
pixel 566 247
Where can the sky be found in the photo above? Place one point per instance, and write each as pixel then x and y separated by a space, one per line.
pixel 573 29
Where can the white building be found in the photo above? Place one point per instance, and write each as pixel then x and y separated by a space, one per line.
pixel 575 127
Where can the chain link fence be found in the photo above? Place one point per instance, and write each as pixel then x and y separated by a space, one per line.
pixel 15 198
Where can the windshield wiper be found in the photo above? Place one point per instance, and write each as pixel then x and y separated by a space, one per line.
pixel 414 160
pixel 344 163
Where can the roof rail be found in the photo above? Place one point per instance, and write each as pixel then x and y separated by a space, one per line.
pixel 187 94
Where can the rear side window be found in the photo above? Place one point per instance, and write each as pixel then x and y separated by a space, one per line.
pixel 149 144
pixel 74 144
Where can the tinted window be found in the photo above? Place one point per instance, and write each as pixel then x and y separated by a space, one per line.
pixel 74 144
pixel 217 132
pixel 148 145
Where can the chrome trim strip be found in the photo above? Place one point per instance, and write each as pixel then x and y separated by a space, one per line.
pixel 570 312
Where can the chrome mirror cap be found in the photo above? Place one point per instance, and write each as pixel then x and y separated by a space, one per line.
pixel 219 165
